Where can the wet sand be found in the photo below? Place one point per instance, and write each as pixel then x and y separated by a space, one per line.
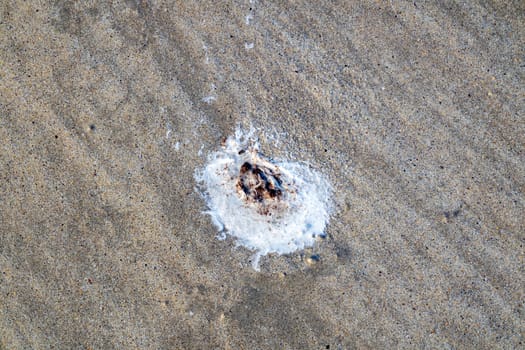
pixel 414 111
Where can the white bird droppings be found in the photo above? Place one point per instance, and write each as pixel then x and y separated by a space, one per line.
pixel 269 207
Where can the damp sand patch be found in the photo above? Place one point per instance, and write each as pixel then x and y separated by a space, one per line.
pixel 268 206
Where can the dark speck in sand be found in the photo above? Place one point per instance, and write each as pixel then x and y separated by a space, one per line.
pixel 315 257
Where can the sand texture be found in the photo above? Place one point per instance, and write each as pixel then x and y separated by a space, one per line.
pixel 414 111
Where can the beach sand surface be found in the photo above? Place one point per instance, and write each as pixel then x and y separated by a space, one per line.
pixel 414 111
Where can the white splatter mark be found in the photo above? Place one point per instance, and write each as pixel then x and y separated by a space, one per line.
pixel 248 46
pixel 248 19
pixel 177 146
pixel 206 57
pixel 211 97
pixel 269 207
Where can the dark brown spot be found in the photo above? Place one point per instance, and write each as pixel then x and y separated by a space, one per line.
pixel 259 183
pixel 245 167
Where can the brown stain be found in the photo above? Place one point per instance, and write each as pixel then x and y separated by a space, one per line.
pixel 261 185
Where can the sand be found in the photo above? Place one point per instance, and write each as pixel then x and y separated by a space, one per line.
pixel 413 110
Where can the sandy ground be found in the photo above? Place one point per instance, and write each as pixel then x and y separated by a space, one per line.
pixel 413 110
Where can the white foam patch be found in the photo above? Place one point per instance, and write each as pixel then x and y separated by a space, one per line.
pixel 280 226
